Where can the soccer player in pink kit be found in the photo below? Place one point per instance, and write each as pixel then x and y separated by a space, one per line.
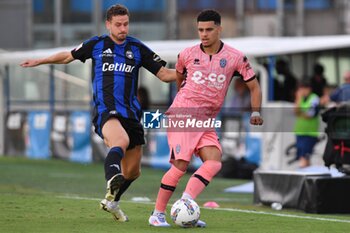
pixel 204 73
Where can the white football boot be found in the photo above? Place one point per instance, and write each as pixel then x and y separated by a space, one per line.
pixel 200 223
pixel 113 186
pixel 113 208
pixel 158 220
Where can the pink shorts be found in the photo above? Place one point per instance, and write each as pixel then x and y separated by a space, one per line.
pixel 184 144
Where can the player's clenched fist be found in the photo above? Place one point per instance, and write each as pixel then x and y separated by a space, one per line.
pixel 256 119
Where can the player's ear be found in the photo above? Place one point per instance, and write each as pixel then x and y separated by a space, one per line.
pixel 220 29
pixel 108 25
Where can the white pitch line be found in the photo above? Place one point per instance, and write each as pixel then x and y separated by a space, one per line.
pixel 227 209
pixel 284 215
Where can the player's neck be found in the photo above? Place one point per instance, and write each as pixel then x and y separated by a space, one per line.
pixel 212 49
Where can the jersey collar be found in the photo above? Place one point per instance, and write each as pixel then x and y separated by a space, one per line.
pixel 220 48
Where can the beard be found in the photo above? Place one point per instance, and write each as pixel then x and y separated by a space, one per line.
pixel 121 37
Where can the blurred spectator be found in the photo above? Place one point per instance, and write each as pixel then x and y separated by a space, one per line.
pixel 318 81
pixel 342 93
pixel 143 98
pixel 307 122
pixel 241 97
pixel 287 90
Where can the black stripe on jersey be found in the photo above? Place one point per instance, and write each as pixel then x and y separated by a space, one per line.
pixel 93 70
pixel 250 79
pixel 201 178
pixel 129 91
pixel 237 74
pixel 108 77
pixel 150 60
pixel 93 78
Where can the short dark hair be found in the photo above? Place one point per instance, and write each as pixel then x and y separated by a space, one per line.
pixel 318 69
pixel 116 10
pixel 209 15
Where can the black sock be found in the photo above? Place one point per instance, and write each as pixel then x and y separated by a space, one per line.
pixel 112 162
pixel 122 189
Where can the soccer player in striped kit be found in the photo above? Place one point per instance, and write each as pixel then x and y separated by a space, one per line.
pixel 204 74
pixel 116 60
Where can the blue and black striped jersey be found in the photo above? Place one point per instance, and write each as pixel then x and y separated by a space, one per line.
pixel 115 72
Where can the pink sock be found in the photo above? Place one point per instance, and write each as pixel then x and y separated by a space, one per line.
pixel 202 177
pixel 168 184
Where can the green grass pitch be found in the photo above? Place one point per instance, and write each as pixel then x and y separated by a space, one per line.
pixel 57 196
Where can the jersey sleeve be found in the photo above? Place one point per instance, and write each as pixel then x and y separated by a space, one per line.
pixel 180 64
pixel 313 110
pixel 84 50
pixel 244 69
pixel 150 60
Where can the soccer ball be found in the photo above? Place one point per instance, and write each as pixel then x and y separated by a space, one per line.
pixel 185 213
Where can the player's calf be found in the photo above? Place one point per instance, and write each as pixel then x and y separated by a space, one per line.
pixel 202 177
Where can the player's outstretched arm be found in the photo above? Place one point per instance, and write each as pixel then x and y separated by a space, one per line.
pixel 255 93
pixel 58 58
pixel 166 75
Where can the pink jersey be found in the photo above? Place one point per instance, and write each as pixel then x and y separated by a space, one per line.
pixel 208 78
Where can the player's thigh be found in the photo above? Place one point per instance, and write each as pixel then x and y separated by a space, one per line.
pixel 131 163
pixel 209 153
pixel 208 147
pixel 114 134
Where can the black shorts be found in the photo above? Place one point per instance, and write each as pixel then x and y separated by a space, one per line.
pixel 132 127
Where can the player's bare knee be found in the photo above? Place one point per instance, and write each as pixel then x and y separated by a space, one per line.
pixel 132 175
pixel 122 142
pixel 181 164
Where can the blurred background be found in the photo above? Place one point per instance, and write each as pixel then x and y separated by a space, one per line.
pixel 48 23
pixel 45 111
